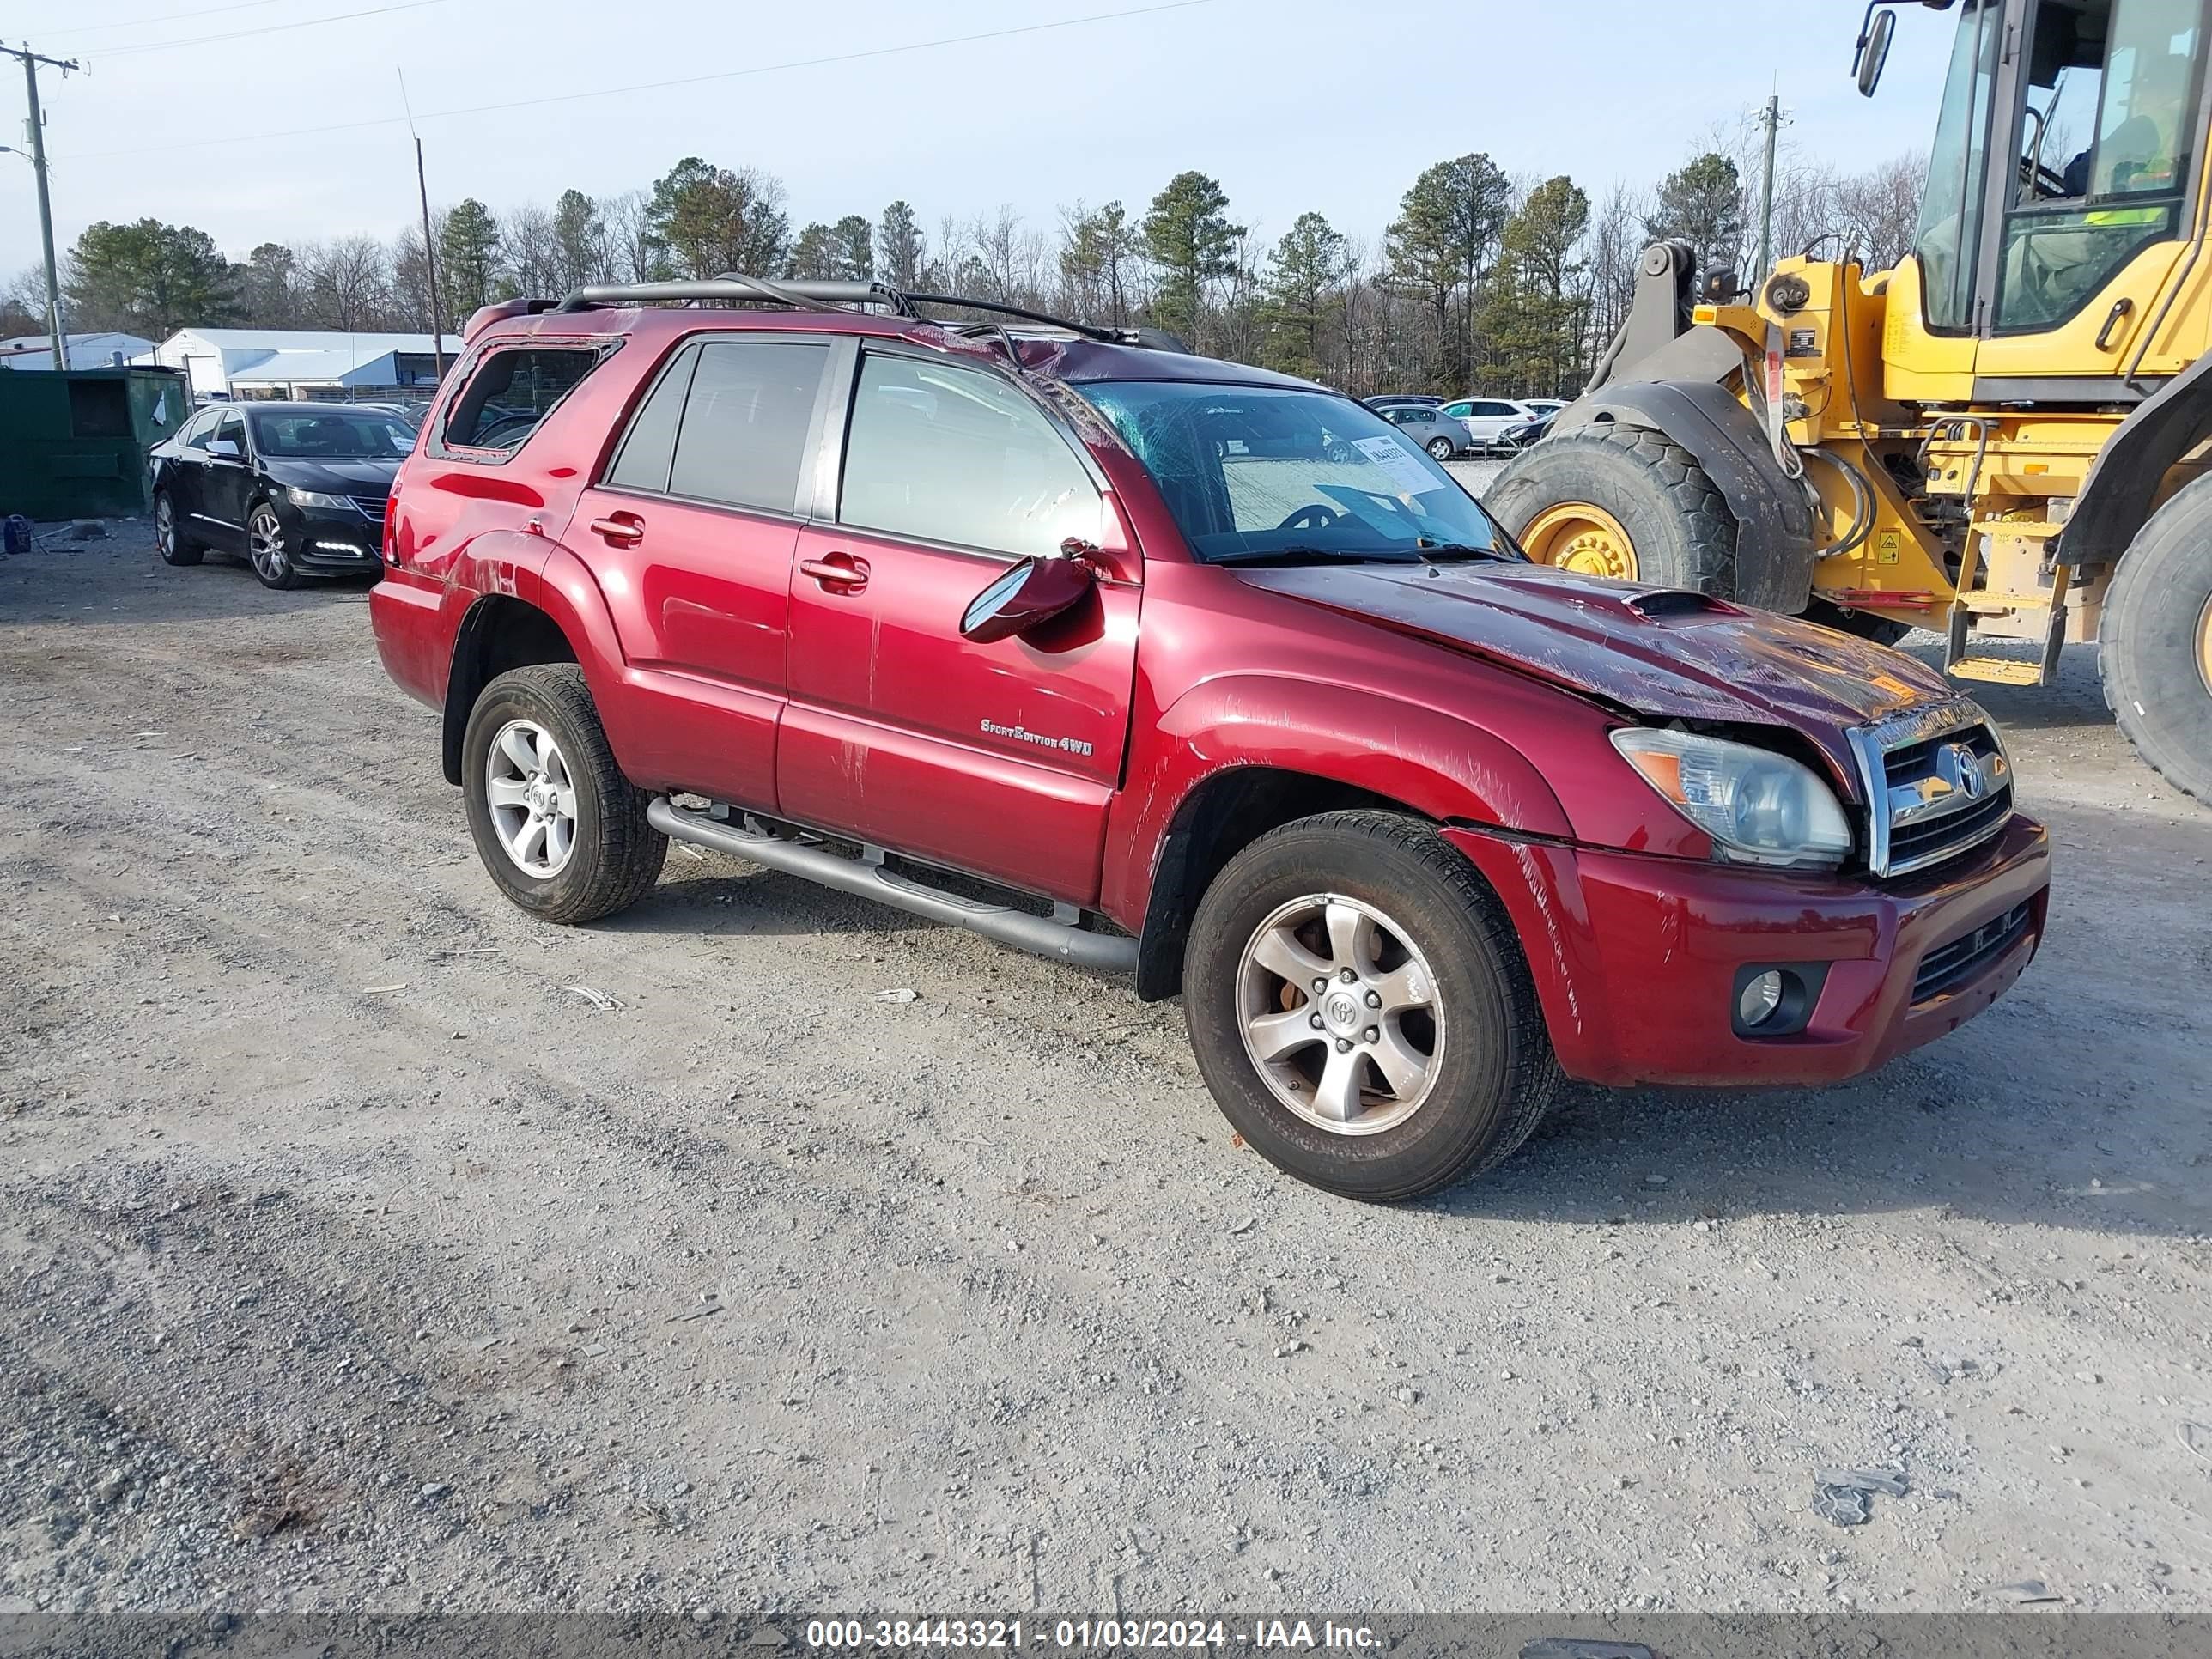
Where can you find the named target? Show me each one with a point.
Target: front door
(226, 480)
(690, 533)
(996, 758)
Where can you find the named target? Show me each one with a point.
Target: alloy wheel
(532, 799)
(1340, 1014)
(165, 527)
(265, 543)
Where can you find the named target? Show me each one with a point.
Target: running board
(1057, 935)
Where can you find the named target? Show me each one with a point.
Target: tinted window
(649, 449)
(336, 435)
(745, 423)
(232, 429)
(195, 435)
(946, 453)
(512, 392)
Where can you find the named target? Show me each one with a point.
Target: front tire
(1361, 1011)
(1623, 501)
(559, 827)
(2154, 640)
(170, 540)
(268, 547)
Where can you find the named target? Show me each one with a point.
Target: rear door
(690, 532)
(996, 758)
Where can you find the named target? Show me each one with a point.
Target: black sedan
(1524, 432)
(296, 487)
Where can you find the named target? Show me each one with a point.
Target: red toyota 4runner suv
(1180, 668)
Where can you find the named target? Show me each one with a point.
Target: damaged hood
(1662, 652)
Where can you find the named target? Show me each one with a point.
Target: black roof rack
(809, 294)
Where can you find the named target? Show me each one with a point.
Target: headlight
(1760, 807)
(309, 498)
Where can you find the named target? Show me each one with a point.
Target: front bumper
(324, 538)
(1635, 957)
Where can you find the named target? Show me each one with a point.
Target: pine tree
(1188, 236)
(1303, 288)
(468, 258)
(1702, 205)
(900, 251)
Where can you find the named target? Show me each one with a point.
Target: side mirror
(1873, 48)
(225, 449)
(1030, 595)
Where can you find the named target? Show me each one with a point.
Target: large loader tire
(1624, 501)
(2154, 640)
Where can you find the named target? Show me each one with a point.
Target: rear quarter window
(510, 393)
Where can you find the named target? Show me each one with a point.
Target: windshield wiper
(1310, 556)
(1446, 552)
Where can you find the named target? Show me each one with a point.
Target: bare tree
(1878, 211)
(348, 283)
(634, 255)
(530, 252)
(1614, 244)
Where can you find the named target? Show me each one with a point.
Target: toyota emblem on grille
(1962, 769)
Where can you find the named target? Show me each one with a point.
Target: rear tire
(1456, 1068)
(2155, 641)
(1646, 490)
(170, 540)
(1442, 448)
(609, 856)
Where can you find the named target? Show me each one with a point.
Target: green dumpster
(73, 445)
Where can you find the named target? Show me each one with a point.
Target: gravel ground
(365, 1245)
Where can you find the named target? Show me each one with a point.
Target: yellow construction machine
(2000, 438)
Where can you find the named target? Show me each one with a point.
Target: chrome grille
(1938, 783)
(372, 507)
(1951, 965)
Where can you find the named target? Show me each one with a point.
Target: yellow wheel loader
(2000, 438)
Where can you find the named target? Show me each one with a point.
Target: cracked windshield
(1256, 475)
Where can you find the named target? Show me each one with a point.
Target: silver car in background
(1441, 436)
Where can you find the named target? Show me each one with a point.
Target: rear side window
(944, 454)
(745, 423)
(648, 448)
(728, 422)
(511, 391)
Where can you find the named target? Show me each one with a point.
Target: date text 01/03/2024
(1089, 1635)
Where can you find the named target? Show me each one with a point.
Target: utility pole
(430, 268)
(1771, 118)
(430, 248)
(31, 60)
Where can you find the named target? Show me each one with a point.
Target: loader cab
(2065, 179)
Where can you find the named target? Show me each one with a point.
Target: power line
(654, 86)
(267, 28)
(171, 17)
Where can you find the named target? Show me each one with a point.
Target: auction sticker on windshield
(1404, 466)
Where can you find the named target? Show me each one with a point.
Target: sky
(1293, 105)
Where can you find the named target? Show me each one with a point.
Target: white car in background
(1486, 417)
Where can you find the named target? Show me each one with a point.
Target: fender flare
(548, 578)
(1774, 550)
(2124, 478)
(1439, 765)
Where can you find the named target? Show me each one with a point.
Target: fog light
(1760, 996)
